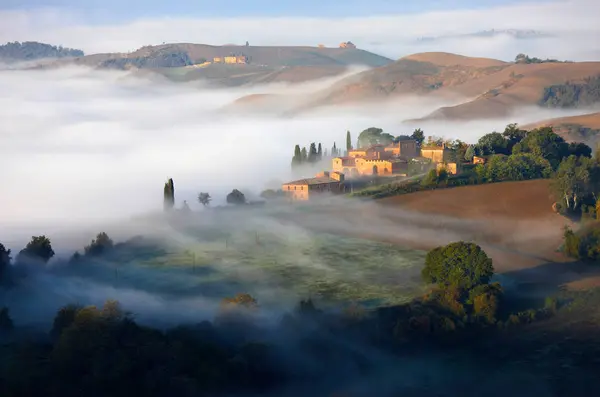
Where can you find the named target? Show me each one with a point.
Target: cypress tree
(319, 152)
(348, 141)
(297, 159)
(334, 151)
(312, 153)
(304, 155)
(169, 195)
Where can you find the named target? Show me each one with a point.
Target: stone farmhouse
(375, 160)
(323, 183)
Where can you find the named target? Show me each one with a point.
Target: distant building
(437, 154)
(305, 189)
(405, 148)
(347, 44)
(232, 59)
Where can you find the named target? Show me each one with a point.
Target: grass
(277, 267)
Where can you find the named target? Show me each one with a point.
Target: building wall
(407, 148)
(218, 59)
(478, 160)
(437, 155)
(296, 192)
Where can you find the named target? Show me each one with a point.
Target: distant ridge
(33, 50)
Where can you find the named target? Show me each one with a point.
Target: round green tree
(460, 264)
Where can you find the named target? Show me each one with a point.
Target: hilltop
(32, 50)
(186, 62)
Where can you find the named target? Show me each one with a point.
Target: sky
(387, 27)
(118, 9)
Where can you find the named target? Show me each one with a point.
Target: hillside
(492, 88)
(31, 50)
(583, 128)
(186, 62)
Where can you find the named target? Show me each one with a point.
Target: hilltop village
(402, 158)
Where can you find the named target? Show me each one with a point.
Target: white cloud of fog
(574, 21)
(81, 146)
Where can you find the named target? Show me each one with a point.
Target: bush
(463, 265)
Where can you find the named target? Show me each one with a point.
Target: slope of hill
(487, 87)
(582, 128)
(32, 50)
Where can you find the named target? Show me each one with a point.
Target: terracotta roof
(313, 181)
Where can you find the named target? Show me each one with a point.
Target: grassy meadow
(278, 266)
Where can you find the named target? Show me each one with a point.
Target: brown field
(512, 221)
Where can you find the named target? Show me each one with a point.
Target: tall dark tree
(304, 155)
(334, 150)
(39, 249)
(169, 195)
(419, 136)
(319, 152)
(297, 159)
(236, 197)
(312, 153)
(348, 141)
(4, 263)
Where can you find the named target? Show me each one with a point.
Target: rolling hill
(32, 50)
(483, 88)
(187, 62)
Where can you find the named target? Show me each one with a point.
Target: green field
(277, 267)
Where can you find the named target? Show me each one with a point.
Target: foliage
(469, 153)
(32, 50)
(523, 58)
(236, 197)
(493, 143)
(99, 246)
(545, 143)
(334, 151)
(158, 59)
(4, 263)
(516, 167)
(205, 199)
(576, 182)
(513, 134)
(583, 245)
(572, 94)
(435, 178)
(39, 248)
(348, 141)
(6, 323)
(374, 136)
(169, 195)
(463, 265)
(419, 136)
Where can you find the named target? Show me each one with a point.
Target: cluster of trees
(313, 155)
(518, 154)
(523, 58)
(572, 94)
(376, 136)
(158, 59)
(32, 50)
